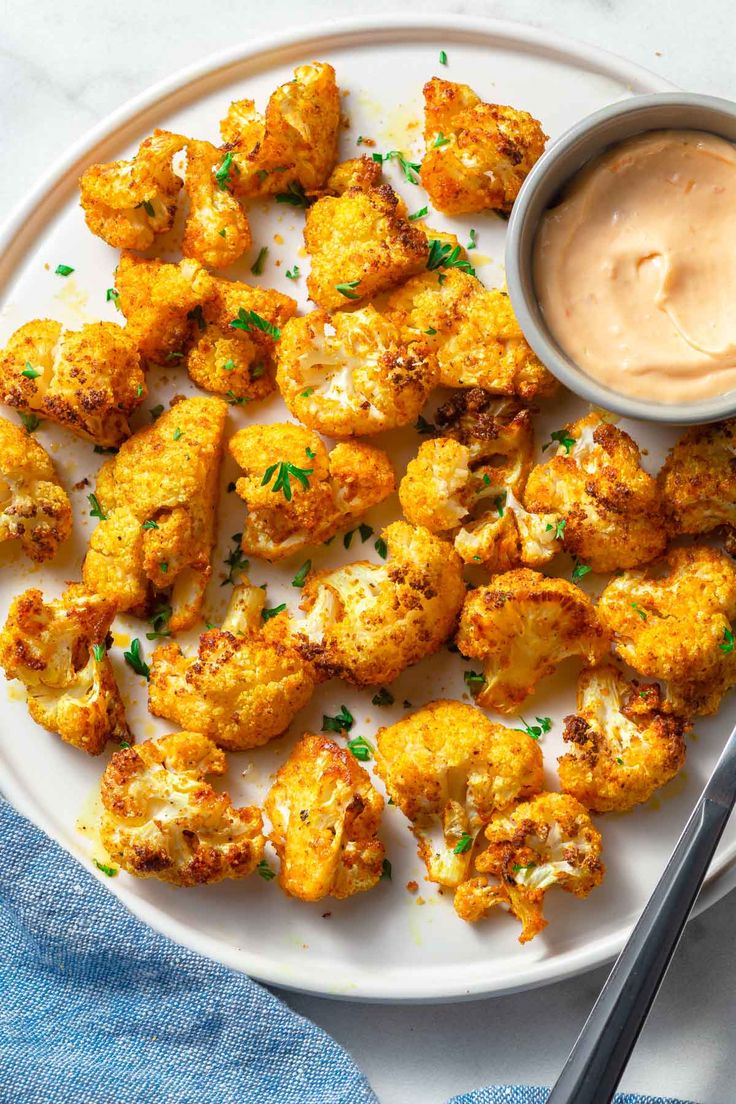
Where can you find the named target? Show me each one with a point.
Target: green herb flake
(563, 438)
(543, 725)
(294, 195)
(135, 659)
(164, 567)
(620, 762)
(472, 240)
(420, 214)
(236, 400)
(444, 255)
(347, 289)
(347, 538)
(150, 524)
(293, 273)
(474, 680)
(383, 697)
(177, 433)
(148, 208)
(30, 372)
(499, 502)
(727, 645)
(360, 748)
(431, 331)
(99, 651)
(160, 622)
(156, 412)
(580, 571)
(443, 57)
(30, 421)
(423, 427)
(410, 169)
(257, 266)
(519, 866)
(267, 614)
(284, 472)
(365, 531)
(235, 562)
(385, 871)
(301, 575)
(309, 391)
(463, 844)
(229, 366)
(381, 548)
(196, 314)
(559, 528)
(96, 510)
(222, 233)
(265, 871)
(440, 140)
(310, 453)
(111, 871)
(174, 356)
(63, 270)
(341, 722)
(642, 613)
(248, 320)
(112, 295)
(222, 173)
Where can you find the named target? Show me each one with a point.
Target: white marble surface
(64, 66)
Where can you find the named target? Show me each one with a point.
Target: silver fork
(603, 1048)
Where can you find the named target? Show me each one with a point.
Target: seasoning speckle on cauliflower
(478, 154)
(611, 506)
(299, 494)
(698, 480)
(57, 650)
(448, 768)
(216, 232)
(158, 498)
(673, 621)
(295, 145)
(477, 339)
(541, 843)
(352, 374)
(88, 381)
(162, 819)
(366, 623)
(241, 689)
(34, 507)
(325, 815)
(623, 746)
(521, 626)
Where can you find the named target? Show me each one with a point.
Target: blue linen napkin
(96, 1008)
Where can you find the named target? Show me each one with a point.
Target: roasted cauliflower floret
(158, 499)
(673, 621)
(216, 232)
(521, 626)
(234, 340)
(478, 154)
(698, 480)
(367, 622)
(129, 203)
(295, 145)
(162, 819)
(623, 746)
(352, 374)
(162, 304)
(325, 816)
(611, 507)
(360, 243)
(34, 507)
(449, 769)
(541, 843)
(88, 381)
(473, 333)
(57, 650)
(242, 688)
(299, 494)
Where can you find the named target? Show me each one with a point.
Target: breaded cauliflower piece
(295, 144)
(158, 497)
(521, 626)
(129, 203)
(297, 493)
(57, 649)
(547, 841)
(88, 381)
(242, 688)
(449, 769)
(478, 154)
(162, 304)
(361, 242)
(611, 507)
(34, 507)
(623, 745)
(352, 374)
(234, 340)
(216, 232)
(472, 331)
(698, 480)
(366, 623)
(673, 621)
(325, 815)
(359, 172)
(162, 819)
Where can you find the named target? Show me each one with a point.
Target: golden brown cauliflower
(158, 500)
(57, 649)
(547, 841)
(473, 333)
(366, 623)
(297, 493)
(242, 688)
(478, 154)
(89, 380)
(521, 626)
(623, 746)
(325, 816)
(674, 621)
(698, 480)
(611, 507)
(352, 374)
(129, 203)
(216, 231)
(294, 147)
(449, 769)
(34, 507)
(162, 819)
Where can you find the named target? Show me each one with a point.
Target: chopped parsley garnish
(148, 208)
(30, 372)
(543, 725)
(139, 390)
(424, 427)
(150, 524)
(559, 528)
(580, 571)
(463, 844)
(381, 548)
(222, 233)
(257, 370)
(174, 356)
(177, 433)
(229, 365)
(293, 273)
(96, 510)
(63, 270)
(222, 174)
(431, 331)
(124, 744)
(160, 622)
(365, 531)
(472, 242)
(347, 289)
(474, 680)
(235, 562)
(284, 471)
(341, 722)
(360, 748)
(135, 659)
(236, 400)
(196, 314)
(257, 266)
(620, 762)
(563, 438)
(309, 391)
(642, 613)
(164, 566)
(99, 651)
(443, 57)
(248, 319)
(301, 575)
(310, 452)
(419, 214)
(527, 866)
(444, 255)
(267, 614)
(499, 502)
(385, 870)
(440, 140)
(727, 645)
(294, 195)
(113, 296)
(265, 871)
(410, 169)
(156, 412)
(30, 421)
(383, 697)
(109, 870)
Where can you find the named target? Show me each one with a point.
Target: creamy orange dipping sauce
(635, 270)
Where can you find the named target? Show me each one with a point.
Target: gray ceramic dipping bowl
(541, 189)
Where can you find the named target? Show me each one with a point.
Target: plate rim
(25, 222)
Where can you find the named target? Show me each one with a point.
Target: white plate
(385, 945)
